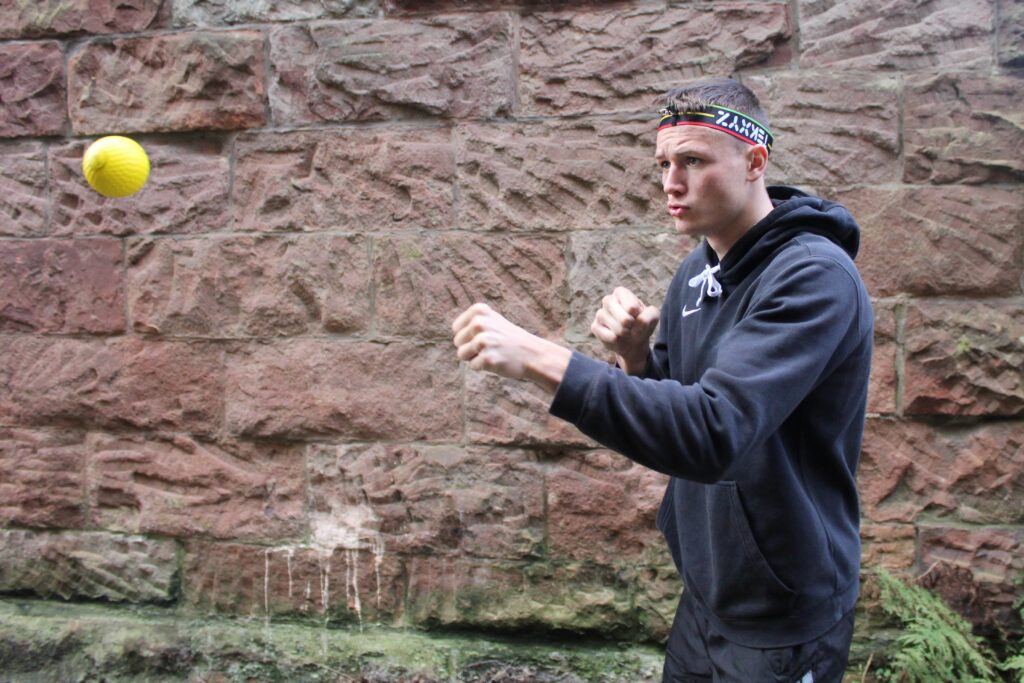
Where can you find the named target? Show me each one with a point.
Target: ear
(757, 162)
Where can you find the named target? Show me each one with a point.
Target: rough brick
(91, 565)
(361, 70)
(42, 478)
(185, 192)
(963, 129)
(249, 286)
(966, 474)
(882, 386)
(957, 241)
(182, 81)
(67, 17)
(344, 180)
(621, 59)
(32, 89)
(602, 261)
(423, 282)
(558, 175)
(889, 546)
(178, 486)
(1011, 33)
(360, 390)
(964, 358)
(117, 383)
(656, 589)
(404, 7)
(835, 129)
(875, 34)
(23, 196)
(226, 12)
(67, 286)
(444, 500)
(602, 507)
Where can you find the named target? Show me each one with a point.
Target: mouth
(677, 210)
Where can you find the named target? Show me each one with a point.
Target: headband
(719, 118)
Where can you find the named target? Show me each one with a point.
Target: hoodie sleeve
(765, 366)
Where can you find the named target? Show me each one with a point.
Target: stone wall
(235, 393)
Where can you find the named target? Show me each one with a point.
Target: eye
(692, 161)
(664, 164)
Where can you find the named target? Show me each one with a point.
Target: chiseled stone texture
(559, 175)
(964, 358)
(308, 388)
(934, 241)
(118, 383)
(889, 546)
(178, 486)
(353, 180)
(336, 580)
(91, 565)
(384, 69)
(602, 507)
(840, 129)
(422, 282)
(180, 81)
(1011, 33)
(42, 475)
(23, 197)
(622, 58)
(64, 286)
(405, 7)
(961, 128)
(896, 36)
(185, 192)
(427, 500)
(226, 12)
(24, 19)
(249, 286)
(971, 474)
(883, 384)
(32, 89)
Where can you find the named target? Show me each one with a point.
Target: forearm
(547, 364)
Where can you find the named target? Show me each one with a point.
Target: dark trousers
(696, 653)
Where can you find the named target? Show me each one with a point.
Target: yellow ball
(116, 166)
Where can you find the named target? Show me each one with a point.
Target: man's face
(704, 176)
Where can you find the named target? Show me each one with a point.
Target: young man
(752, 399)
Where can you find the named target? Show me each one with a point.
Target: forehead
(673, 139)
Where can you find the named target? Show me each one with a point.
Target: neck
(754, 212)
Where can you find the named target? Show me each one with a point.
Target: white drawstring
(709, 286)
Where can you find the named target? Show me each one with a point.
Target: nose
(673, 182)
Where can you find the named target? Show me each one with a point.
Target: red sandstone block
(23, 196)
(42, 477)
(1011, 33)
(32, 89)
(889, 546)
(64, 17)
(66, 286)
(182, 81)
(882, 386)
(219, 13)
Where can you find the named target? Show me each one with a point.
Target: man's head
(712, 161)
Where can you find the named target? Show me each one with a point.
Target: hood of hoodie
(795, 212)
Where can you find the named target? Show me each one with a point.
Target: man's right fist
(624, 325)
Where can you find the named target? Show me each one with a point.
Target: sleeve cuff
(570, 399)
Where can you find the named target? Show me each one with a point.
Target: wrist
(547, 364)
(636, 363)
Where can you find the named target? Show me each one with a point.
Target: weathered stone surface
(422, 283)
(63, 17)
(444, 500)
(1011, 33)
(226, 12)
(875, 34)
(558, 175)
(362, 70)
(963, 129)
(249, 286)
(185, 192)
(928, 241)
(92, 565)
(621, 59)
(658, 588)
(67, 286)
(835, 129)
(321, 579)
(42, 478)
(118, 383)
(181, 81)
(602, 507)
(406, 7)
(360, 390)
(883, 384)
(601, 261)
(23, 197)
(344, 180)
(968, 474)
(964, 359)
(889, 546)
(977, 571)
(32, 89)
(178, 486)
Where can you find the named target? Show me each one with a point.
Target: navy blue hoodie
(753, 400)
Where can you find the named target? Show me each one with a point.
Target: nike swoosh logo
(686, 312)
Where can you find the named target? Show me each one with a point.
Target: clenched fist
(625, 325)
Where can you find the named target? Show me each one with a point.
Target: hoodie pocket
(730, 572)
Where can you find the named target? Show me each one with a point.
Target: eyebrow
(687, 150)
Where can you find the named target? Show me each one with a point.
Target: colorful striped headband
(719, 118)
